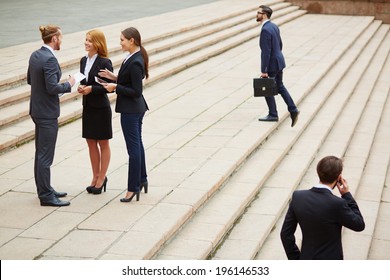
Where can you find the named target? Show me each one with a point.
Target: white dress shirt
(88, 65)
(321, 186)
(50, 49)
(130, 54)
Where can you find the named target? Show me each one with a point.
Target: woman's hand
(84, 90)
(110, 87)
(105, 73)
(80, 88)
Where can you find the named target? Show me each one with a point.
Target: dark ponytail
(132, 32)
(146, 61)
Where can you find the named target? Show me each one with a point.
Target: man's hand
(342, 185)
(264, 75)
(71, 80)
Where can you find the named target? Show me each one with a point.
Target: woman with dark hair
(97, 115)
(131, 104)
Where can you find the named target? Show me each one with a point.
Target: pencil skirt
(97, 123)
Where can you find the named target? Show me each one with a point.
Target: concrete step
(355, 245)
(272, 247)
(354, 163)
(372, 182)
(380, 243)
(214, 179)
(245, 184)
(168, 58)
(170, 41)
(173, 22)
(270, 203)
(201, 128)
(198, 147)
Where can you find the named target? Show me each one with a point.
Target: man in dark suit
(43, 75)
(321, 216)
(272, 65)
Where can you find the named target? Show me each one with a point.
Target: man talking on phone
(321, 216)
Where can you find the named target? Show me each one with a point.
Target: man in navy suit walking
(272, 65)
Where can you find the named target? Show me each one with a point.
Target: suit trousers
(46, 131)
(132, 131)
(272, 111)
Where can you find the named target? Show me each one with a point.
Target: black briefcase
(264, 87)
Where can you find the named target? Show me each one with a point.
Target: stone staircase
(170, 52)
(220, 181)
(339, 111)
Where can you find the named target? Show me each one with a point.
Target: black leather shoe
(60, 194)
(269, 118)
(55, 202)
(294, 117)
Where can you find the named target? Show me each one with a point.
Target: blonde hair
(48, 32)
(99, 42)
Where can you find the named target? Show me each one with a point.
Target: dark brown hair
(267, 10)
(132, 32)
(329, 169)
(48, 32)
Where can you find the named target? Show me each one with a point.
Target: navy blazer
(272, 59)
(321, 216)
(44, 74)
(98, 97)
(129, 86)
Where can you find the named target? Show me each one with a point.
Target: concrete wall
(378, 8)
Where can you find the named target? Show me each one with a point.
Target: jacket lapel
(124, 65)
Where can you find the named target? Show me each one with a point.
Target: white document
(79, 77)
(100, 81)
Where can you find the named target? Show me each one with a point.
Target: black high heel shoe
(131, 197)
(89, 189)
(144, 186)
(95, 190)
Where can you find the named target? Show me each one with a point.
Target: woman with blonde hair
(96, 117)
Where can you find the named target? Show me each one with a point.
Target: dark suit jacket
(272, 59)
(320, 215)
(98, 97)
(129, 86)
(44, 74)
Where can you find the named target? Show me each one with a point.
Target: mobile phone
(100, 81)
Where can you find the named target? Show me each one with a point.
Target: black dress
(97, 115)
